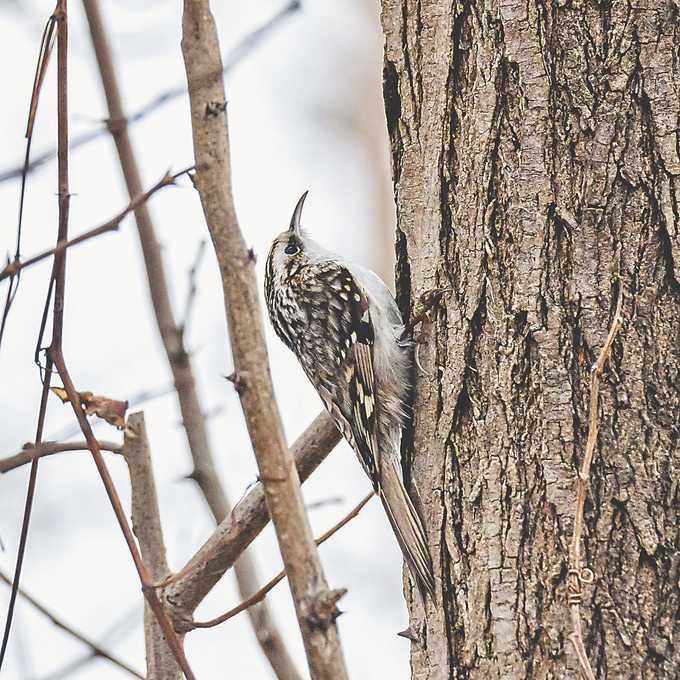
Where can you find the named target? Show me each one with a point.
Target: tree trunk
(535, 161)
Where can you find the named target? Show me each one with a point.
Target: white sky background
(304, 113)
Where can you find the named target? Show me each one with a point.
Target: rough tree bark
(535, 160)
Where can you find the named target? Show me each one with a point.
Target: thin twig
(191, 295)
(111, 635)
(23, 538)
(45, 52)
(46, 45)
(96, 649)
(14, 267)
(577, 574)
(31, 452)
(262, 593)
(241, 51)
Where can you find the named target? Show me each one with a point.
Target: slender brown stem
(30, 494)
(576, 574)
(147, 585)
(56, 352)
(14, 267)
(32, 452)
(58, 19)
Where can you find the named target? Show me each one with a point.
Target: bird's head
(288, 251)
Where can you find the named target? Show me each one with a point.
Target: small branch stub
(322, 611)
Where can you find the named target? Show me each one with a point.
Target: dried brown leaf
(110, 410)
(61, 393)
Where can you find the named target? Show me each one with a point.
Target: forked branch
(262, 593)
(187, 589)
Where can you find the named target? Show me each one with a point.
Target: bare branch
(576, 574)
(96, 649)
(262, 593)
(172, 336)
(187, 589)
(31, 452)
(146, 523)
(14, 267)
(315, 609)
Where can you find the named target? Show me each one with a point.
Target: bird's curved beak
(295, 220)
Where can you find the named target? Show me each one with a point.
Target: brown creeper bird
(344, 326)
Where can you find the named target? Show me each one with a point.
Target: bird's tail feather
(407, 528)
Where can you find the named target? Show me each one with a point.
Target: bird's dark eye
(292, 249)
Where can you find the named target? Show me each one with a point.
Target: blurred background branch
(97, 650)
(172, 336)
(241, 51)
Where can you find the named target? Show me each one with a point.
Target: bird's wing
(351, 396)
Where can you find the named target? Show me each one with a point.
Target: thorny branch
(577, 574)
